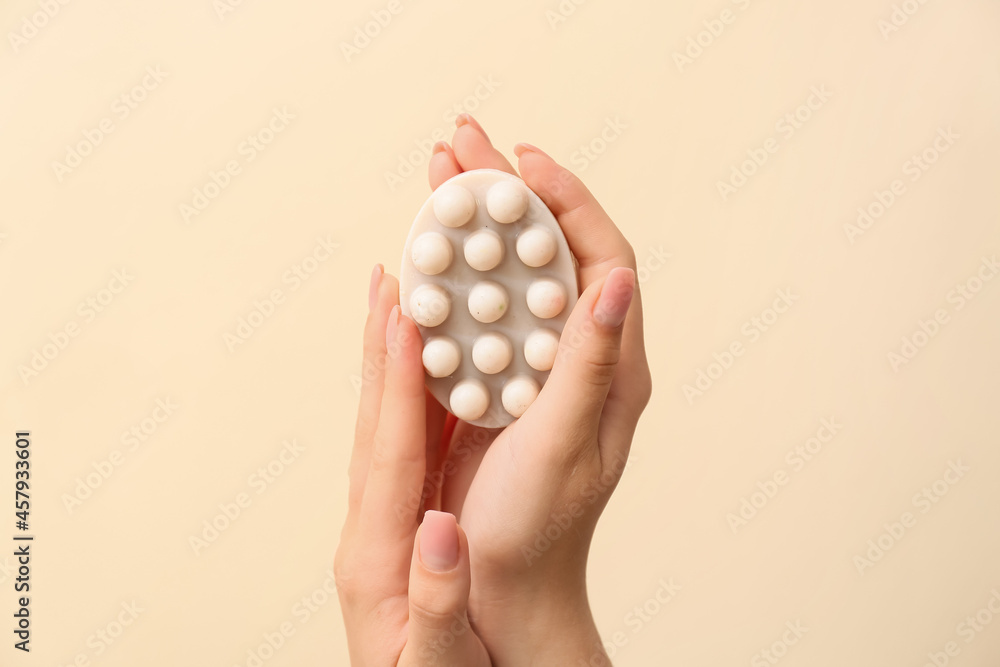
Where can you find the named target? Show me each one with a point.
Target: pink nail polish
(523, 147)
(466, 119)
(373, 286)
(616, 296)
(439, 541)
(391, 326)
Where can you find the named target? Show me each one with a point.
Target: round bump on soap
(488, 302)
(507, 201)
(469, 400)
(540, 349)
(454, 205)
(546, 298)
(441, 356)
(492, 352)
(518, 394)
(431, 253)
(430, 305)
(536, 246)
(483, 250)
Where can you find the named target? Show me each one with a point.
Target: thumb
(439, 631)
(588, 354)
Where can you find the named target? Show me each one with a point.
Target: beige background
(557, 84)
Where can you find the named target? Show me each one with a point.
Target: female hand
(529, 497)
(402, 575)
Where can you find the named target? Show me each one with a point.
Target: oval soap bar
(491, 310)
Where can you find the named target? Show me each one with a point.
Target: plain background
(662, 136)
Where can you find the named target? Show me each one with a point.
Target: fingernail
(439, 541)
(616, 296)
(390, 327)
(373, 286)
(439, 147)
(466, 119)
(523, 147)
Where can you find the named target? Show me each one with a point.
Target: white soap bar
(490, 281)
(546, 298)
(441, 356)
(536, 246)
(518, 394)
(507, 201)
(469, 400)
(429, 305)
(488, 301)
(492, 352)
(431, 253)
(453, 205)
(540, 349)
(483, 250)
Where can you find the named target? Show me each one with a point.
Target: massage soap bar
(490, 281)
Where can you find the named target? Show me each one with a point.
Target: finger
(594, 239)
(632, 385)
(436, 417)
(599, 246)
(473, 149)
(468, 445)
(443, 164)
(588, 355)
(399, 457)
(383, 294)
(439, 631)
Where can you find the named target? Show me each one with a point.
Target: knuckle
(345, 577)
(600, 366)
(433, 610)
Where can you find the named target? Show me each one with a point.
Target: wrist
(539, 623)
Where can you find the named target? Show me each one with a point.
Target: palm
(499, 488)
